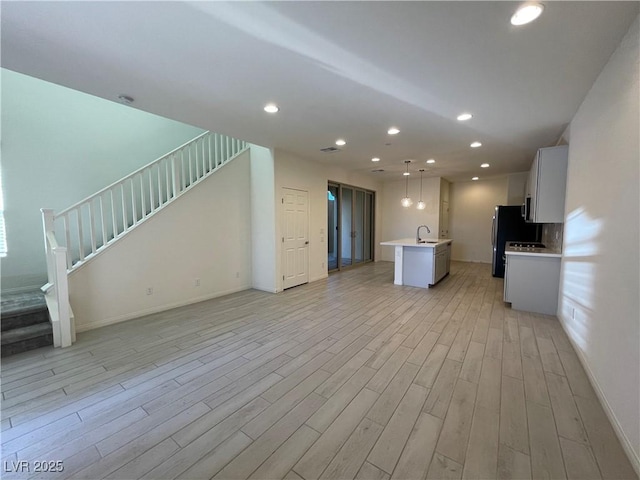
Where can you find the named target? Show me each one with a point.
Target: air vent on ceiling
(329, 149)
(377, 170)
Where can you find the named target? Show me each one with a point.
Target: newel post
(47, 226)
(67, 332)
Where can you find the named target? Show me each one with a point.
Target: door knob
(307, 242)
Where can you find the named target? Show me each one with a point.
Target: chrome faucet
(418, 239)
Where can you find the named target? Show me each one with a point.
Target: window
(3, 232)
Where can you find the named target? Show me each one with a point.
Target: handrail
(51, 238)
(132, 174)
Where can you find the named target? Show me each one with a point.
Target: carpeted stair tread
(24, 322)
(25, 333)
(22, 303)
(23, 309)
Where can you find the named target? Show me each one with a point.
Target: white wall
(601, 262)
(299, 173)
(59, 146)
(263, 219)
(400, 222)
(205, 234)
(472, 206)
(516, 183)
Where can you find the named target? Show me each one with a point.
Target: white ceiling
(337, 70)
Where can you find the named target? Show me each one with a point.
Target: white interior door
(295, 237)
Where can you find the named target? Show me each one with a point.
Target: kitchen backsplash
(552, 235)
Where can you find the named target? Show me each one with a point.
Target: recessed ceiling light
(475, 145)
(431, 160)
(526, 13)
(464, 116)
(271, 108)
(474, 178)
(485, 165)
(340, 142)
(393, 131)
(375, 159)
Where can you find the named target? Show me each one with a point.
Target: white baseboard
(632, 454)
(320, 277)
(265, 289)
(157, 309)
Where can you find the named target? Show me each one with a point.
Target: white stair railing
(85, 229)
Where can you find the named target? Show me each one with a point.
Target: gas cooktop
(527, 245)
(535, 247)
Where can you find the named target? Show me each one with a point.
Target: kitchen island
(420, 264)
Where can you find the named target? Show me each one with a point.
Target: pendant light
(421, 205)
(406, 201)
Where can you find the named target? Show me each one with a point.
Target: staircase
(77, 234)
(25, 322)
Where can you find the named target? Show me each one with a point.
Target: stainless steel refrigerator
(509, 226)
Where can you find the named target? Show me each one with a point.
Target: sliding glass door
(350, 226)
(333, 193)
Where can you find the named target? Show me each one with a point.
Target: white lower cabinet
(441, 267)
(422, 267)
(531, 283)
(448, 257)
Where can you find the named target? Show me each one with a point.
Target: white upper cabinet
(547, 185)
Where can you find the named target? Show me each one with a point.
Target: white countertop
(536, 252)
(411, 242)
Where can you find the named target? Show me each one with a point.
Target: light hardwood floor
(351, 377)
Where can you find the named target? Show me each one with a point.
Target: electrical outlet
(322, 264)
(196, 282)
(150, 291)
(237, 274)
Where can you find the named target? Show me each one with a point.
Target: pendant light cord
(406, 182)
